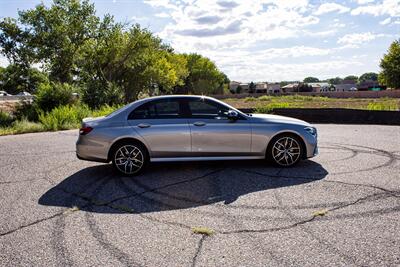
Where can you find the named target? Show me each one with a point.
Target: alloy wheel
(286, 151)
(129, 159)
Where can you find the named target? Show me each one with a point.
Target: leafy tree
(133, 61)
(335, 81)
(50, 35)
(16, 78)
(311, 80)
(368, 76)
(352, 78)
(203, 76)
(239, 89)
(52, 95)
(390, 65)
(252, 87)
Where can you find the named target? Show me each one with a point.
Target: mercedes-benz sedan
(190, 128)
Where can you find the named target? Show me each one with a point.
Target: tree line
(105, 61)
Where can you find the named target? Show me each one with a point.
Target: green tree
(239, 89)
(352, 78)
(390, 65)
(50, 35)
(368, 76)
(311, 80)
(335, 81)
(128, 63)
(15, 78)
(203, 76)
(252, 87)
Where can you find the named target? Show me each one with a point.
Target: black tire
(285, 150)
(129, 158)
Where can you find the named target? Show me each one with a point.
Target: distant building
(245, 87)
(233, 86)
(370, 85)
(274, 88)
(345, 87)
(291, 87)
(261, 87)
(320, 87)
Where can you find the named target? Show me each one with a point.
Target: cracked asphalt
(341, 208)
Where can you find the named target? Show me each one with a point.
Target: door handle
(199, 123)
(143, 125)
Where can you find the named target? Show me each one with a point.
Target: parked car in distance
(24, 94)
(190, 128)
(4, 93)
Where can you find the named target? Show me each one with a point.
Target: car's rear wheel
(285, 150)
(129, 158)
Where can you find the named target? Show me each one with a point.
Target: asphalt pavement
(341, 208)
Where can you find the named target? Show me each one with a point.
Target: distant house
(233, 85)
(320, 87)
(274, 88)
(291, 87)
(245, 87)
(370, 85)
(261, 87)
(346, 87)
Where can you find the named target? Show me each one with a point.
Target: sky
(263, 40)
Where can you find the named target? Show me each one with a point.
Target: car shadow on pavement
(174, 186)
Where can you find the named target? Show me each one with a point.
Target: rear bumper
(91, 158)
(90, 150)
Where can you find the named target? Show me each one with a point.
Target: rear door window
(160, 109)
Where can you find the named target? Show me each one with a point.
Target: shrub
(97, 93)
(5, 119)
(271, 106)
(22, 126)
(52, 95)
(265, 98)
(60, 118)
(26, 110)
(250, 99)
(387, 105)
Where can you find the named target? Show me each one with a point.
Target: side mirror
(233, 115)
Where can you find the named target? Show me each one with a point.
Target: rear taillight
(85, 130)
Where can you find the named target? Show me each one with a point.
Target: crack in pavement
(393, 192)
(198, 251)
(65, 212)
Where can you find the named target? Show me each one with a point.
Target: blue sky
(264, 40)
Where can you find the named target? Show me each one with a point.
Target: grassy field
(265, 104)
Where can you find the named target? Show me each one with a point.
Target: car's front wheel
(129, 158)
(285, 150)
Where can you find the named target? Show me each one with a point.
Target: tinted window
(162, 109)
(206, 109)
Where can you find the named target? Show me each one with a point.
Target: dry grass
(202, 231)
(320, 213)
(295, 101)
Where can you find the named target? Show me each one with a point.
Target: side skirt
(205, 158)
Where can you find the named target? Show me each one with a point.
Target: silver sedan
(190, 128)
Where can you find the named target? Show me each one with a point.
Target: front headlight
(311, 130)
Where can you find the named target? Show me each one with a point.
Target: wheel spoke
(129, 159)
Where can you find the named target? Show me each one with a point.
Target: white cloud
(363, 2)
(385, 21)
(331, 7)
(355, 39)
(386, 7)
(162, 15)
(277, 72)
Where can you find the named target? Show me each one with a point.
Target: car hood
(277, 119)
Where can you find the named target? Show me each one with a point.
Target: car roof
(177, 96)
